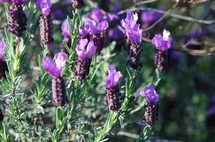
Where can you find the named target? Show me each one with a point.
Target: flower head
(44, 6)
(162, 42)
(85, 50)
(54, 68)
(6, 1)
(1, 49)
(95, 29)
(150, 94)
(113, 78)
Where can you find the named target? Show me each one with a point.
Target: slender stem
(25, 138)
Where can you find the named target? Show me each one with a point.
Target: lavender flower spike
(162, 42)
(3, 64)
(54, 68)
(85, 50)
(150, 94)
(113, 92)
(113, 78)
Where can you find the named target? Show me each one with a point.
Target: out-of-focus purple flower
(149, 17)
(6, 1)
(44, 6)
(54, 68)
(16, 2)
(95, 29)
(96, 15)
(1, 49)
(211, 110)
(150, 94)
(7, 101)
(85, 50)
(115, 33)
(113, 78)
(162, 42)
(135, 34)
(112, 17)
(130, 21)
(65, 29)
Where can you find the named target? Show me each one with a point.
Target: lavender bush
(93, 71)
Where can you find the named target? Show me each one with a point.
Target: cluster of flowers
(91, 41)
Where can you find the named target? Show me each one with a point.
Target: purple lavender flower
(162, 42)
(151, 108)
(113, 93)
(150, 94)
(95, 29)
(133, 39)
(113, 78)
(85, 50)
(54, 68)
(58, 83)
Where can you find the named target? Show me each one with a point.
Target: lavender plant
(84, 89)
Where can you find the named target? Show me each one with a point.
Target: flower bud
(77, 4)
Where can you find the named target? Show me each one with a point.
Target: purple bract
(54, 68)
(150, 94)
(95, 29)
(162, 42)
(130, 21)
(85, 50)
(65, 29)
(44, 6)
(1, 49)
(113, 78)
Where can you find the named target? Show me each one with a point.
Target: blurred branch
(194, 52)
(191, 1)
(208, 22)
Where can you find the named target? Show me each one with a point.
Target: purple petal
(83, 33)
(37, 2)
(85, 51)
(6, 1)
(60, 60)
(130, 20)
(50, 67)
(91, 50)
(134, 36)
(1, 49)
(45, 7)
(19, 2)
(103, 26)
(150, 94)
(162, 42)
(112, 17)
(7, 101)
(65, 29)
(113, 78)
(96, 15)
